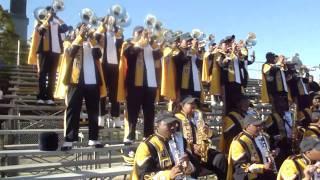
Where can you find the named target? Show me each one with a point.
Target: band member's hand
(196, 149)
(184, 158)
(267, 166)
(253, 56)
(175, 171)
(275, 152)
(83, 30)
(225, 60)
(308, 171)
(206, 129)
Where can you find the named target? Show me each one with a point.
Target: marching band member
(274, 83)
(299, 91)
(160, 156)
(232, 123)
(279, 128)
(169, 87)
(110, 40)
(302, 166)
(207, 62)
(245, 160)
(49, 50)
(83, 78)
(198, 135)
(246, 59)
(231, 72)
(187, 68)
(137, 81)
(314, 127)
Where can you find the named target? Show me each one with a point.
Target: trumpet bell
(58, 5)
(198, 34)
(124, 21)
(86, 15)
(117, 11)
(40, 13)
(150, 21)
(251, 40)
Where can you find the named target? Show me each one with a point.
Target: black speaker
(48, 141)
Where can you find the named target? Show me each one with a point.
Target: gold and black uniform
(274, 84)
(110, 44)
(138, 85)
(188, 75)
(153, 159)
(231, 127)
(293, 167)
(83, 78)
(312, 131)
(279, 137)
(216, 160)
(245, 160)
(49, 49)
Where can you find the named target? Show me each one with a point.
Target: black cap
(189, 100)
(316, 96)
(166, 117)
(270, 55)
(252, 119)
(186, 36)
(138, 29)
(228, 39)
(309, 143)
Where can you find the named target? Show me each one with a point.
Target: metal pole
(18, 54)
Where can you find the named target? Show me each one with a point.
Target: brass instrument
(268, 153)
(178, 150)
(40, 14)
(150, 22)
(202, 137)
(121, 17)
(58, 5)
(251, 40)
(89, 19)
(294, 132)
(316, 173)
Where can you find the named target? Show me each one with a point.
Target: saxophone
(266, 147)
(202, 137)
(294, 134)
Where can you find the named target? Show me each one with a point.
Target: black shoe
(99, 146)
(66, 148)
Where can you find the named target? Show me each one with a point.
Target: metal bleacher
(22, 120)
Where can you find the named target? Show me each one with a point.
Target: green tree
(8, 39)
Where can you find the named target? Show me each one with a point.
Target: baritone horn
(251, 40)
(89, 19)
(86, 15)
(40, 14)
(58, 5)
(150, 22)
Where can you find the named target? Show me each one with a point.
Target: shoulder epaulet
(149, 138)
(238, 136)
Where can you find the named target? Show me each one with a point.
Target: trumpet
(268, 153)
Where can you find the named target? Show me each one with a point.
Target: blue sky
(282, 26)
